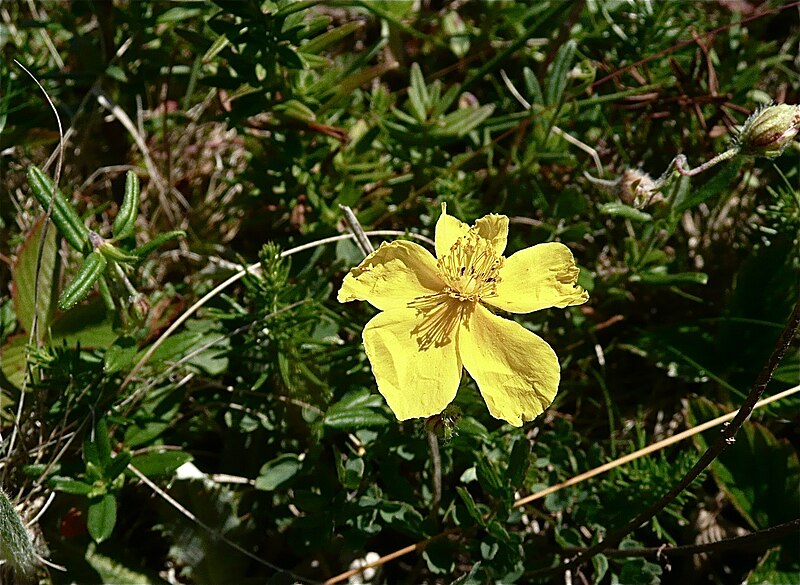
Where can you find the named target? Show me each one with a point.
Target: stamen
(471, 268)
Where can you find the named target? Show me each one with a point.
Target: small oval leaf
(102, 517)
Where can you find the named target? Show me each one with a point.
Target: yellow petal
(448, 230)
(536, 278)
(415, 382)
(392, 276)
(516, 371)
(494, 228)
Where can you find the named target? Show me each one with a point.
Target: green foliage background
(248, 123)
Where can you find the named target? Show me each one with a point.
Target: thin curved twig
(252, 269)
(758, 539)
(33, 333)
(725, 439)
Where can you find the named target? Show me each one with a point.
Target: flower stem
(680, 162)
(436, 463)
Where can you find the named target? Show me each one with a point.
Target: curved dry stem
(755, 540)
(725, 439)
(33, 333)
(252, 269)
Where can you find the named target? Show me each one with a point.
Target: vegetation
(182, 398)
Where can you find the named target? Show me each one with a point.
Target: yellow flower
(434, 318)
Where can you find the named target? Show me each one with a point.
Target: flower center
(470, 270)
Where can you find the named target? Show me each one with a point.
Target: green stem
(680, 162)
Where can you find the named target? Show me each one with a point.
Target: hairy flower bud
(768, 131)
(637, 188)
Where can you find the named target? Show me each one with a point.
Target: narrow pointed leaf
(418, 94)
(316, 44)
(157, 242)
(126, 218)
(64, 216)
(92, 269)
(557, 79)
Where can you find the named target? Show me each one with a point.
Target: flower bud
(444, 425)
(637, 188)
(768, 131)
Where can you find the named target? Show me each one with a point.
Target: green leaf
(87, 324)
(13, 361)
(462, 121)
(296, 110)
(296, 6)
(129, 210)
(626, 211)
(102, 442)
(161, 239)
(177, 14)
(352, 82)
(600, 565)
(278, 472)
(24, 288)
(533, 86)
(470, 578)
(91, 453)
(118, 465)
(640, 572)
(557, 78)
(120, 355)
(441, 105)
(359, 418)
(350, 472)
(334, 35)
(158, 463)
(218, 45)
(402, 516)
(77, 290)
(440, 557)
(659, 276)
(69, 485)
(469, 502)
(63, 214)
(488, 478)
(357, 410)
(418, 94)
(518, 462)
(111, 252)
(102, 517)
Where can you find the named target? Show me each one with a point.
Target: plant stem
(680, 162)
(436, 463)
(755, 540)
